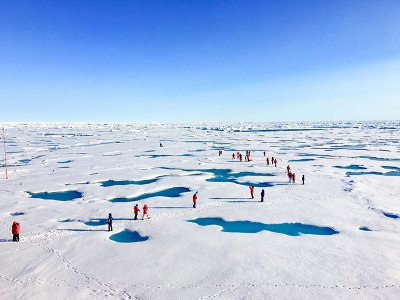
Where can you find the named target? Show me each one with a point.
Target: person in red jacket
(275, 162)
(252, 191)
(145, 211)
(288, 168)
(15, 228)
(136, 210)
(290, 175)
(194, 200)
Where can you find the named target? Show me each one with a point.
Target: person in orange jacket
(136, 210)
(15, 228)
(252, 191)
(145, 211)
(290, 175)
(194, 199)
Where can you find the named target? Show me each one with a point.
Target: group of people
(239, 156)
(292, 176)
(252, 193)
(15, 228)
(274, 161)
(136, 210)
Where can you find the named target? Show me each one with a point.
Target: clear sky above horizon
(203, 60)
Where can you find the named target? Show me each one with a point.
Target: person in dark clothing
(109, 221)
(262, 195)
(303, 179)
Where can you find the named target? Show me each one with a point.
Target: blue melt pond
(96, 222)
(379, 158)
(391, 168)
(386, 214)
(363, 228)
(58, 196)
(109, 183)
(391, 173)
(18, 213)
(64, 162)
(351, 167)
(301, 160)
(291, 229)
(128, 236)
(168, 155)
(226, 175)
(169, 193)
(390, 215)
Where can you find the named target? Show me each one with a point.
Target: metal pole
(5, 151)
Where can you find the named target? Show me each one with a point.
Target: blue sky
(203, 60)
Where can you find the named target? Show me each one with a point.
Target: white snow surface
(59, 257)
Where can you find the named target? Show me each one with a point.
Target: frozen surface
(336, 237)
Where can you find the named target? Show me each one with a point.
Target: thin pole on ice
(5, 151)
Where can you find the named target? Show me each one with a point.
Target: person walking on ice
(145, 211)
(267, 161)
(294, 177)
(136, 210)
(262, 195)
(109, 222)
(252, 191)
(288, 168)
(275, 162)
(194, 199)
(15, 228)
(303, 179)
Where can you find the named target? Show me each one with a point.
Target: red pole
(5, 152)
